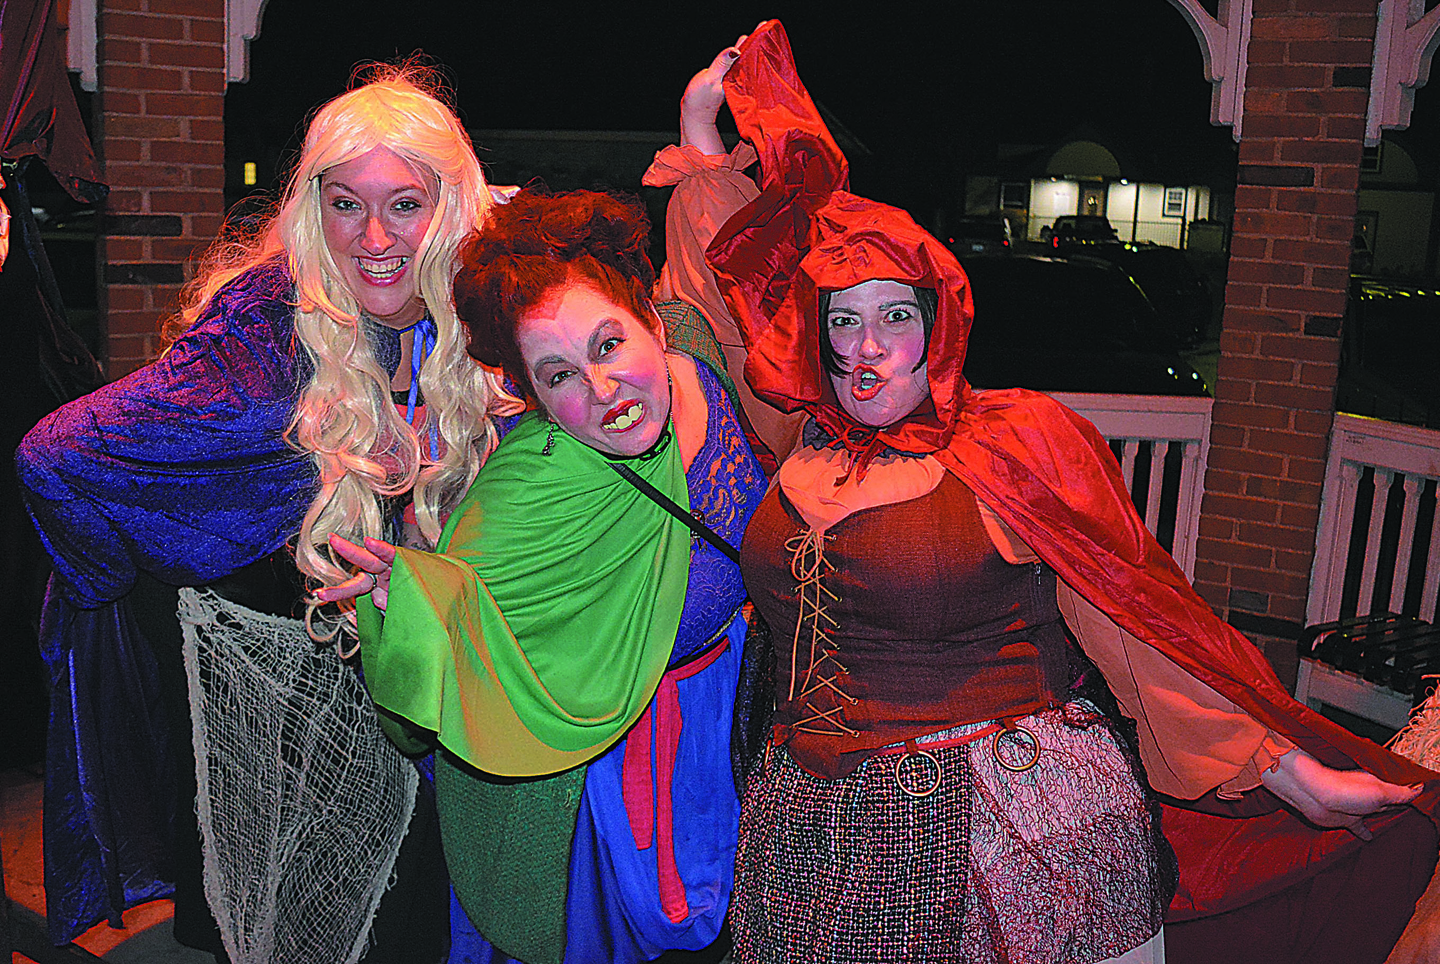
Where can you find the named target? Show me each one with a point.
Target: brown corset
(902, 621)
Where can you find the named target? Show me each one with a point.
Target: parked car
(1072, 231)
(980, 234)
(1179, 293)
(1071, 326)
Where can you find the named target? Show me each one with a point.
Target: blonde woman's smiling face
(597, 370)
(375, 210)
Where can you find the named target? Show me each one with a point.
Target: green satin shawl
(538, 632)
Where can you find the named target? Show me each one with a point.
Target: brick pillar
(159, 109)
(1304, 121)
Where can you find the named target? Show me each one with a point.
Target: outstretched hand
(1333, 798)
(702, 100)
(375, 559)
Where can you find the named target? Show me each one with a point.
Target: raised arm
(700, 104)
(710, 186)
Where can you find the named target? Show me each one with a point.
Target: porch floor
(145, 938)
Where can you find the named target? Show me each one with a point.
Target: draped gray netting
(302, 801)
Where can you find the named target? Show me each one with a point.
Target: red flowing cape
(1044, 470)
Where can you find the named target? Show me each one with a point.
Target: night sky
(927, 100)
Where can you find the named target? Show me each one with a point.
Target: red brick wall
(1303, 126)
(159, 133)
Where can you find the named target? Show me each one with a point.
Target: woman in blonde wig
(365, 448)
(316, 380)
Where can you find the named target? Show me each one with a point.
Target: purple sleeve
(181, 468)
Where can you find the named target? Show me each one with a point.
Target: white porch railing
(1378, 544)
(1161, 443)
(1377, 550)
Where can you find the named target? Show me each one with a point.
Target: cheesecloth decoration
(302, 801)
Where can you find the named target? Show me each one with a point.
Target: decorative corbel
(1405, 41)
(242, 25)
(80, 40)
(1224, 43)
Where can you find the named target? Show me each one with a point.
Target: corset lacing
(809, 565)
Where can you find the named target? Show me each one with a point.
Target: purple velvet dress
(180, 470)
(177, 474)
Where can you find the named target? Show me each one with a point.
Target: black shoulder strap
(668, 504)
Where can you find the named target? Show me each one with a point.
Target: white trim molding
(80, 40)
(242, 25)
(1405, 41)
(1224, 44)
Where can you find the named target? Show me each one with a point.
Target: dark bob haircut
(927, 299)
(541, 242)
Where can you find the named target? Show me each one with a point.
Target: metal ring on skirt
(1017, 749)
(917, 755)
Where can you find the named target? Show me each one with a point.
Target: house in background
(1158, 202)
(1397, 230)
(1395, 226)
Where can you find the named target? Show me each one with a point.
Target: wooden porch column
(159, 134)
(1304, 123)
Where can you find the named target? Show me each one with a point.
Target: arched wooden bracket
(1224, 42)
(242, 25)
(80, 39)
(1405, 41)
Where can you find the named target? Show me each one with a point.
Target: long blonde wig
(364, 450)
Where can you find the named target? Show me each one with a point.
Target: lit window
(248, 176)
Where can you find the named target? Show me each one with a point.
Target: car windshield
(979, 231)
(1068, 325)
(1058, 305)
(1092, 228)
(1162, 265)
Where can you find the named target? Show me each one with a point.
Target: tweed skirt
(962, 853)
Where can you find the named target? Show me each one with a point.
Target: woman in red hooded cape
(1222, 741)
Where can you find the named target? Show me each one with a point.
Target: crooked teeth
(626, 418)
(383, 269)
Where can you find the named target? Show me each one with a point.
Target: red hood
(805, 234)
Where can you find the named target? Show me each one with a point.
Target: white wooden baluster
(1158, 450)
(1325, 596)
(1187, 507)
(1128, 453)
(1407, 543)
(1429, 611)
(1366, 603)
